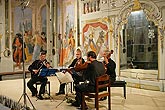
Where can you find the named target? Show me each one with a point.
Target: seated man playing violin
(76, 69)
(35, 68)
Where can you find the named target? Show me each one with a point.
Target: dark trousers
(62, 87)
(82, 88)
(112, 80)
(33, 80)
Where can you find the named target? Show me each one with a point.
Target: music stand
(44, 72)
(47, 72)
(64, 78)
(23, 5)
(66, 96)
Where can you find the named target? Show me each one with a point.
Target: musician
(93, 70)
(76, 74)
(48, 65)
(110, 65)
(35, 68)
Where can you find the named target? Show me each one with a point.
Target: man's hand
(105, 58)
(35, 71)
(88, 62)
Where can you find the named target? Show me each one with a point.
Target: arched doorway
(139, 42)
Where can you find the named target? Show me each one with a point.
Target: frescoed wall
(66, 31)
(0, 40)
(95, 37)
(43, 18)
(18, 20)
(22, 23)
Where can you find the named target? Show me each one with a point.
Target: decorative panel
(95, 36)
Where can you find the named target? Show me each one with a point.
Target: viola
(81, 66)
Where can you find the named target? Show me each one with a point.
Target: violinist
(35, 68)
(93, 70)
(76, 73)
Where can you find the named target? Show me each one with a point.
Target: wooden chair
(101, 82)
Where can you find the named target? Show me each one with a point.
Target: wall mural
(18, 20)
(0, 41)
(17, 40)
(95, 37)
(68, 36)
(43, 18)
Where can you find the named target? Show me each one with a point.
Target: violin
(79, 62)
(81, 66)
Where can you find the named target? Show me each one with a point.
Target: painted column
(162, 57)
(6, 63)
(55, 25)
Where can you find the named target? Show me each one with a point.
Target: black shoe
(61, 92)
(75, 104)
(86, 108)
(34, 94)
(40, 97)
(69, 100)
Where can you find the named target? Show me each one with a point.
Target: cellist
(110, 65)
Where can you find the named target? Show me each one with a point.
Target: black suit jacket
(75, 61)
(94, 69)
(37, 64)
(111, 66)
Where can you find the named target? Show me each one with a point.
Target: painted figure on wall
(25, 25)
(29, 45)
(95, 38)
(38, 43)
(67, 48)
(63, 52)
(100, 43)
(68, 38)
(91, 42)
(44, 45)
(71, 45)
(18, 50)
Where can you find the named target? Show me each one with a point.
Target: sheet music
(47, 72)
(64, 77)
